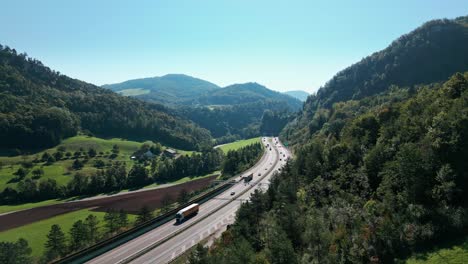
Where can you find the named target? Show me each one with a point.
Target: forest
(428, 54)
(384, 177)
(39, 107)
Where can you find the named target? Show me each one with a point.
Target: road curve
(166, 242)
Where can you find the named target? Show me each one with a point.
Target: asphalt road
(166, 242)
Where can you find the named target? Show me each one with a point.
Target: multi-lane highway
(169, 240)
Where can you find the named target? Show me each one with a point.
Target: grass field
(239, 144)
(134, 92)
(61, 170)
(36, 233)
(454, 254)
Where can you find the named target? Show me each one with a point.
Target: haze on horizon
(293, 45)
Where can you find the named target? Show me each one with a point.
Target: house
(171, 153)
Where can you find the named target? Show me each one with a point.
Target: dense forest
(430, 53)
(244, 120)
(385, 176)
(39, 107)
(237, 161)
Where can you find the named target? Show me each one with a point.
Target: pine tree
(144, 215)
(92, 229)
(56, 244)
(78, 235)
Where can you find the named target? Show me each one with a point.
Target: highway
(169, 240)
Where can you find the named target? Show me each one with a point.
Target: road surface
(169, 240)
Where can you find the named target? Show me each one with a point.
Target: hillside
(167, 89)
(39, 107)
(383, 178)
(298, 94)
(246, 93)
(430, 53)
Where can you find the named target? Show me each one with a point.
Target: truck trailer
(187, 212)
(248, 178)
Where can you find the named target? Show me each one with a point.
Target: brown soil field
(130, 202)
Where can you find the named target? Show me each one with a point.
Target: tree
(198, 255)
(56, 244)
(92, 152)
(58, 155)
(165, 202)
(112, 221)
(138, 176)
(122, 220)
(37, 173)
(45, 156)
(77, 164)
(183, 197)
(78, 235)
(21, 173)
(15, 253)
(92, 228)
(144, 215)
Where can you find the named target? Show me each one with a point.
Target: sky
(285, 45)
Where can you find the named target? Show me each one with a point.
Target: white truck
(187, 212)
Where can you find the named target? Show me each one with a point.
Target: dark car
(232, 193)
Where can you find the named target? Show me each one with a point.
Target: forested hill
(247, 93)
(39, 107)
(167, 89)
(429, 54)
(385, 177)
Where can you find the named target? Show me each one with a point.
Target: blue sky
(285, 45)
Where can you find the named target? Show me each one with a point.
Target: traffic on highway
(198, 222)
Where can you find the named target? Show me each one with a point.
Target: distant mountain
(298, 94)
(246, 93)
(39, 107)
(167, 89)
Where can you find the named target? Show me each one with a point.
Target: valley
(210, 133)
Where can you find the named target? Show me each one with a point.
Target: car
(232, 193)
(259, 174)
(266, 168)
(280, 159)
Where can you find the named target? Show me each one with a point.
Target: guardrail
(119, 239)
(220, 207)
(105, 245)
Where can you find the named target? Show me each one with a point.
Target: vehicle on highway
(187, 212)
(232, 193)
(248, 178)
(259, 174)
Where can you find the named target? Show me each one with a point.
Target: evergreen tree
(78, 235)
(92, 228)
(144, 215)
(56, 243)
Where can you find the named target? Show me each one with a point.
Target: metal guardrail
(105, 245)
(119, 239)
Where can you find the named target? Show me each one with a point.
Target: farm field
(36, 233)
(129, 202)
(239, 144)
(61, 170)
